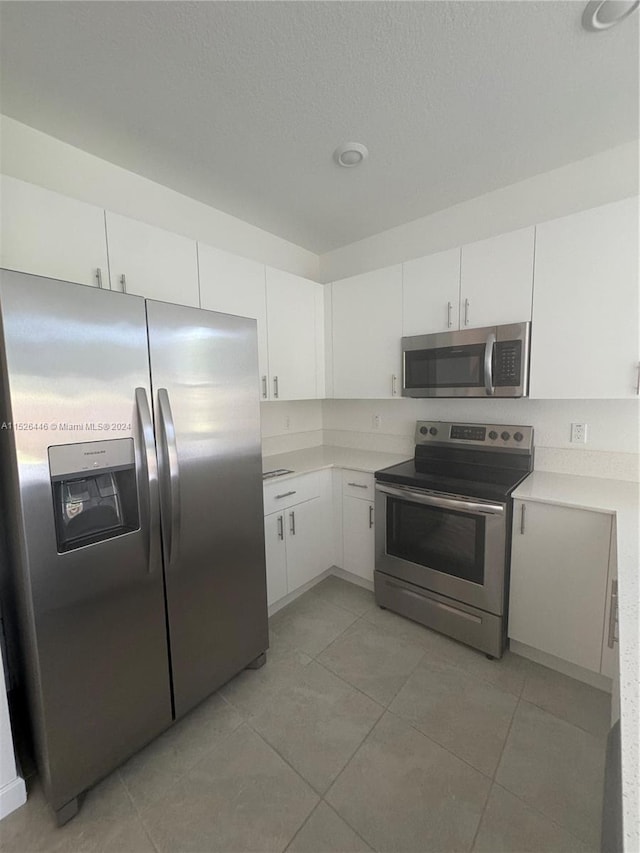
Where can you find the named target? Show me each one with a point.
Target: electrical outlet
(376, 421)
(579, 433)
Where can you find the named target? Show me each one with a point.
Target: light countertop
(622, 500)
(316, 458)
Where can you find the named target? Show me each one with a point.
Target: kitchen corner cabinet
(45, 233)
(298, 542)
(147, 261)
(358, 535)
(431, 294)
(496, 280)
(236, 285)
(367, 327)
(585, 338)
(293, 343)
(559, 572)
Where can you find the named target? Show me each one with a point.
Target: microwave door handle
(170, 486)
(488, 364)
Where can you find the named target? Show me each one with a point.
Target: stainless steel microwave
(488, 362)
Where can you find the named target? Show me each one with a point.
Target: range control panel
(488, 436)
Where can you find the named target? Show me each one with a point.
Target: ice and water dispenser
(94, 491)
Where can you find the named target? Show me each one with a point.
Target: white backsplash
(612, 449)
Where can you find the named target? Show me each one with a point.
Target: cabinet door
(47, 234)
(584, 334)
(496, 280)
(430, 293)
(236, 285)
(155, 263)
(291, 323)
(358, 537)
(306, 541)
(276, 555)
(559, 581)
(367, 327)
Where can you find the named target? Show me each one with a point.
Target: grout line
(302, 825)
(344, 820)
(504, 745)
(481, 818)
(275, 749)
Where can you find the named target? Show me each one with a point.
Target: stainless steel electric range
(443, 529)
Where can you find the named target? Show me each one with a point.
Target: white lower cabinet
(358, 545)
(298, 540)
(559, 582)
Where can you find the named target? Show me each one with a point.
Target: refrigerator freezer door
(92, 617)
(207, 415)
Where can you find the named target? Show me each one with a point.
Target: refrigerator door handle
(170, 487)
(149, 474)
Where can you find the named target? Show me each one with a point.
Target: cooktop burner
(474, 460)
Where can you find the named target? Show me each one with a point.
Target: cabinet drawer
(284, 493)
(357, 484)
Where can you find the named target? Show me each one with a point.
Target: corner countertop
(324, 456)
(622, 500)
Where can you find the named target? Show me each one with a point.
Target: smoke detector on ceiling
(351, 154)
(604, 14)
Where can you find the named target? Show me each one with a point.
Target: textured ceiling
(241, 104)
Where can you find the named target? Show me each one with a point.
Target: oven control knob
(505, 436)
(518, 436)
(423, 430)
(493, 435)
(433, 431)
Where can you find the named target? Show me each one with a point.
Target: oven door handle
(477, 507)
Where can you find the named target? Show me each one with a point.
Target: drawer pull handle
(285, 495)
(370, 517)
(358, 485)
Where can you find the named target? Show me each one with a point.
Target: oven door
(452, 545)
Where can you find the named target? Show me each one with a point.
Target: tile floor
(364, 731)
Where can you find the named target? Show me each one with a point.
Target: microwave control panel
(507, 366)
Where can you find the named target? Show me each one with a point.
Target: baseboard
(287, 599)
(595, 679)
(12, 796)
(349, 576)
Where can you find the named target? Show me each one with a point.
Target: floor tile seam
(326, 600)
(458, 666)
(504, 743)
(139, 815)
(482, 814)
(352, 828)
(542, 814)
(602, 738)
(404, 683)
(352, 686)
(275, 749)
(302, 825)
(336, 638)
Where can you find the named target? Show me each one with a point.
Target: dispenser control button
(505, 436)
(493, 435)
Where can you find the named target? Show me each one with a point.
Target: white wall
(291, 425)
(40, 159)
(605, 177)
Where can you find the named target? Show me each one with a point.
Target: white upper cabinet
(584, 334)
(430, 293)
(293, 338)
(367, 327)
(48, 234)
(147, 261)
(496, 280)
(236, 285)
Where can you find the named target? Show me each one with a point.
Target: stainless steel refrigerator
(132, 487)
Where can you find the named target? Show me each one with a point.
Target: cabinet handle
(370, 516)
(285, 495)
(292, 516)
(394, 381)
(264, 387)
(123, 282)
(522, 512)
(613, 615)
(275, 386)
(280, 527)
(449, 310)
(358, 485)
(466, 312)
(99, 277)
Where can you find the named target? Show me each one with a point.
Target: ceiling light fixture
(351, 154)
(604, 14)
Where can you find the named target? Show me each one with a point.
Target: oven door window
(447, 367)
(449, 542)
